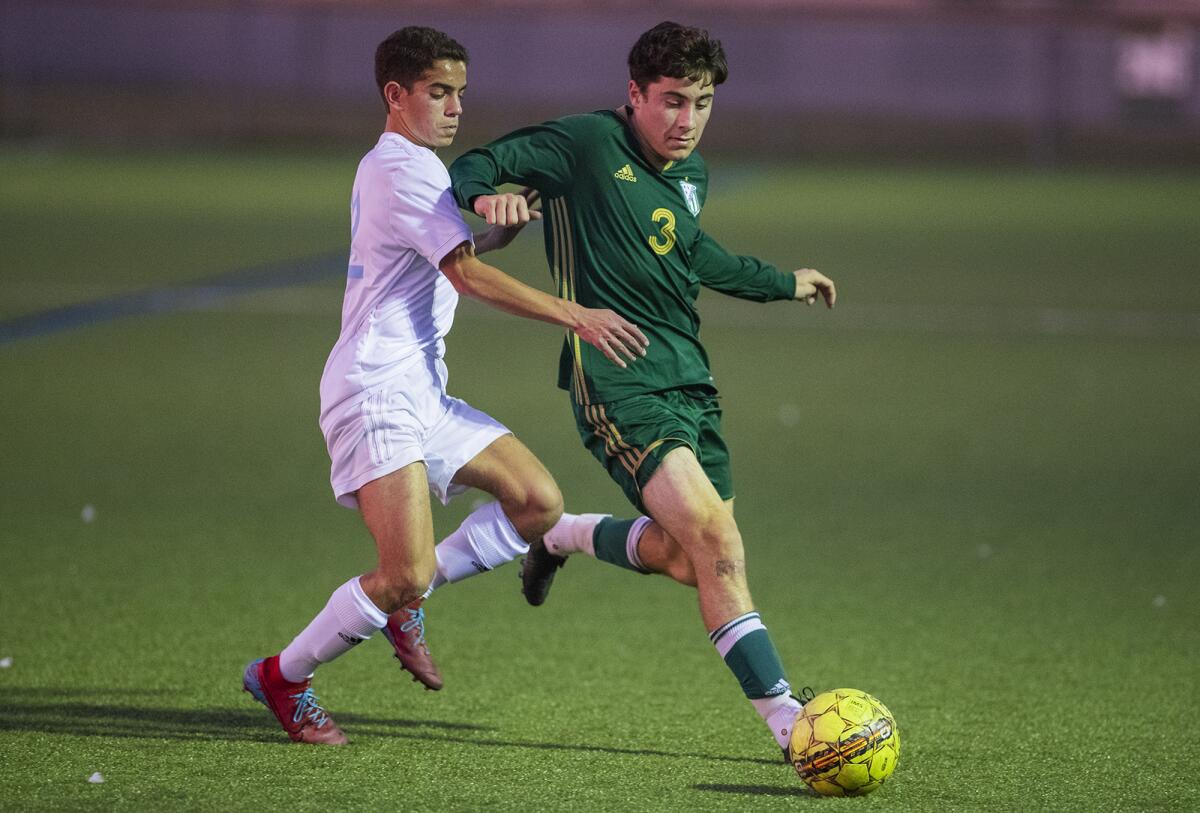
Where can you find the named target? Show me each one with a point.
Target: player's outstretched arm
(507, 214)
(604, 329)
(809, 283)
(737, 275)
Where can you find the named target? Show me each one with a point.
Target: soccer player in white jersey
(393, 432)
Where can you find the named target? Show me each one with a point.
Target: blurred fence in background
(1042, 80)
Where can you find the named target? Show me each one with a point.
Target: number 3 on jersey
(665, 219)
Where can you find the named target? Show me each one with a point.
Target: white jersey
(398, 306)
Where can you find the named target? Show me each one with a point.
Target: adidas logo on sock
(625, 173)
(353, 640)
(781, 687)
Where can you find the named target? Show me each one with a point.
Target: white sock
(573, 534)
(485, 540)
(348, 619)
(779, 713)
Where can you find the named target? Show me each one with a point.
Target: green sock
(748, 652)
(615, 542)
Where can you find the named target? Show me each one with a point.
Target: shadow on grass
(801, 791)
(28, 709)
(48, 711)
(590, 749)
(56, 691)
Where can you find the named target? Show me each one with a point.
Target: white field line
(719, 311)
(966, 320)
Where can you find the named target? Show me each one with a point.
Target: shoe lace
(308, 706)
(804, 695)
(416, 621)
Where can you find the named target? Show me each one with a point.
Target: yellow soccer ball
(844, 743)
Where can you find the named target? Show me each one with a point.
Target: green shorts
(631, 436)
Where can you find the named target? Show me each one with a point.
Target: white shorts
(409, 419)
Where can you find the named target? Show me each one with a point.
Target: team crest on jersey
(690, 197)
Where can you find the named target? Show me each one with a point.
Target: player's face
(670, 116)
(428, 114)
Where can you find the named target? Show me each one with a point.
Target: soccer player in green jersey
(622, 193)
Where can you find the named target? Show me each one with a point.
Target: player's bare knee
(717, 537)
(398, 587)
(546, 505)
(536, 509)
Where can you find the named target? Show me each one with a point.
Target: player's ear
(635, 94)
(395, 94)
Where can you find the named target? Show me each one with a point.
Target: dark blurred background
(1041, 81)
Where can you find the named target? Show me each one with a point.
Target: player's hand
(809, 283)
(499, 236)
(507, 209)
(611, 334)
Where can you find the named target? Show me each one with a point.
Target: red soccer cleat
(293, 704)
(406, 630)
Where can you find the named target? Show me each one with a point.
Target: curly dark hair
(677, 51)
(406, 54)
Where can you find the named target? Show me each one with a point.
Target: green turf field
(970, 490)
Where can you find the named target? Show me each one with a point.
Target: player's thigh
(632, 436)
(376, 435)
(396, 510)
(509, 471)
(460, 435)
(682, 499)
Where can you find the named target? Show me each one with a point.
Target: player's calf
(659, 552)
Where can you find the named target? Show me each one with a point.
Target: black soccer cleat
(537, 572)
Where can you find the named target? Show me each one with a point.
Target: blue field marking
(192, 295)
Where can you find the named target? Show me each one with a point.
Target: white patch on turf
(5, 663)
(1160, 601)
(88, 513)
(97, 778)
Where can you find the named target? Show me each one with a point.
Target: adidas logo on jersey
(625, 173)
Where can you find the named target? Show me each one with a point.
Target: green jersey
(623, 235)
